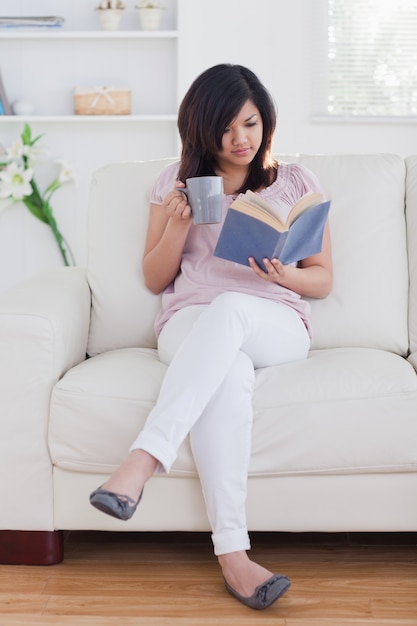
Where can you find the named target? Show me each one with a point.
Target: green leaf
(53, 187)
(35, 210)
(26, 135)
(36, 139)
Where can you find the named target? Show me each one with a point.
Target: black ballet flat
(114, 504)
(264, 595)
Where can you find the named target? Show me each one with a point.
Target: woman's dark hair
(212, 102)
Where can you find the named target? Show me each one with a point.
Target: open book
(252, 228)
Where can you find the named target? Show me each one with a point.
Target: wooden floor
(174, 580)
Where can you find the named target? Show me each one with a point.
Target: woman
(219, 321)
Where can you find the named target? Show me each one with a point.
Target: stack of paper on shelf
(51, 21)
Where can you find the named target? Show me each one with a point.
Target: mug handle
(185, 191)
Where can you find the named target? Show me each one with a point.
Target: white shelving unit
(61, 33)
(90, 119)
(44, 67)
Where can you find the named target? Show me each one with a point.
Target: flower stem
(43, 211)
(62, 244)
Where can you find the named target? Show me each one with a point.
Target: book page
(258, 213)
(254, 205)
(308, 200)
(254, 199)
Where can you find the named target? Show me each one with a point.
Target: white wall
(272, 37)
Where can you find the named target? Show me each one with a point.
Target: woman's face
(242, 138)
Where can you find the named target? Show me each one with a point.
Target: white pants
(207, 392)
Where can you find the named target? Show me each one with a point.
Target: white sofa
(335, 436)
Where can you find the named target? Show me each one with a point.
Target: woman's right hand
(176, 204)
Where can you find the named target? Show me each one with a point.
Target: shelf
(87, 34)
(86, 118)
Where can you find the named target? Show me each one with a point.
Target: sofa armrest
(44, 326)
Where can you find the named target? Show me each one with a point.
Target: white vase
(109, 18)
(149, 19)
(23, 107)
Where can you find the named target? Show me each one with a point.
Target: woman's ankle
(130, 477)
(241, 573)
(232, 559)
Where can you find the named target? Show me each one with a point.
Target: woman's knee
(241, 376)
(230, 300)
(231, 305)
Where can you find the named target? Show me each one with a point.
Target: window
(366, 59)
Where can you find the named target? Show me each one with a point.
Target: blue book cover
(250, 232)
(4, 104)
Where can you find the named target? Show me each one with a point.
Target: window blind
(365, 58)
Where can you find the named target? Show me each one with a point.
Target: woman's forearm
(311, 282)
(161, 264)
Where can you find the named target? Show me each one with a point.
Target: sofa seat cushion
(341, 411)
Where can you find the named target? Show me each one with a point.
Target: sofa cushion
(369, 303)
(340, 411)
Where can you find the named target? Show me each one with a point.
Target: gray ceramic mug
(205, 197)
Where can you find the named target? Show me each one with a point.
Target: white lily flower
(34, 153)
(66, 173)
(16, 150)
(15, 182)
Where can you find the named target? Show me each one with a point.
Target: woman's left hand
(276, 272)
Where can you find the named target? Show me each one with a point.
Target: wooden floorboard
(172, 579)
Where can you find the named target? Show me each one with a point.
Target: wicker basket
(102, 101)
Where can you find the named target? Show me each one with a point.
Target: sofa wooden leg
(31, 547)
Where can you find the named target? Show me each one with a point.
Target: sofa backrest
(368, 306)
(411, 213)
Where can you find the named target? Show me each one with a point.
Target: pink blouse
(202, 276)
